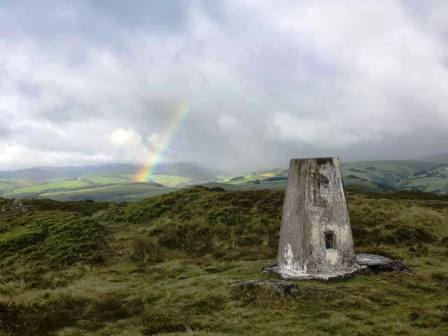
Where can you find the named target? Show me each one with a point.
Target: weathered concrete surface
(315, 237)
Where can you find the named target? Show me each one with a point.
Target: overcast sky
(85, 82)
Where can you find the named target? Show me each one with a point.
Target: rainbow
(146, 172)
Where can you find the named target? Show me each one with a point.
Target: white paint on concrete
(332, 256)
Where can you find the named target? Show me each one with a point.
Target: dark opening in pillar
(330, 240)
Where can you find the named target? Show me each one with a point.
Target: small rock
(18, 205)
(379, 263)
(393, 266)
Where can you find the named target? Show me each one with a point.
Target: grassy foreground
(167, 266)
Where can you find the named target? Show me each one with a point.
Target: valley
(115, 183)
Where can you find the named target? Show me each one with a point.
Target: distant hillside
(372, 176)
(100, 182)
(439, 158)
(115, 182)
(381, 175)
(433, 180)
(46, 174)
(196, 173)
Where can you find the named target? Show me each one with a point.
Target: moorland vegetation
(169, 265)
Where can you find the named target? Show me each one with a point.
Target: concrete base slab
(294, 275)
(364, 263)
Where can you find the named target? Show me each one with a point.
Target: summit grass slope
(168, 265)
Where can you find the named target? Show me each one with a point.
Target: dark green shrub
(441, 278)
(51, 313)
(207, 305)
(147, 250)
(40, 318)
(202, 221)
(76, 240)
(168, 321)
(195, 236)
(406, 235)
(21, 237)
(418, 250)
(113, 306)
(263, 296)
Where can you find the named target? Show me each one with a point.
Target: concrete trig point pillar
(315, 237)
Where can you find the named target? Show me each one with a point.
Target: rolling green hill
(381, 175)
(372, 176)
(433, 180)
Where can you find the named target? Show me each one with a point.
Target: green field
(107, 180)
(7, 185)
(171, 181)
(116, 192)
(37, 189)
(169, 265)
(103, 188)
(261, 176)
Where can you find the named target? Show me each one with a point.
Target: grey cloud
(154, 15)
(107, 22)
(89, 19)
(285, 73)
(4, 132)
